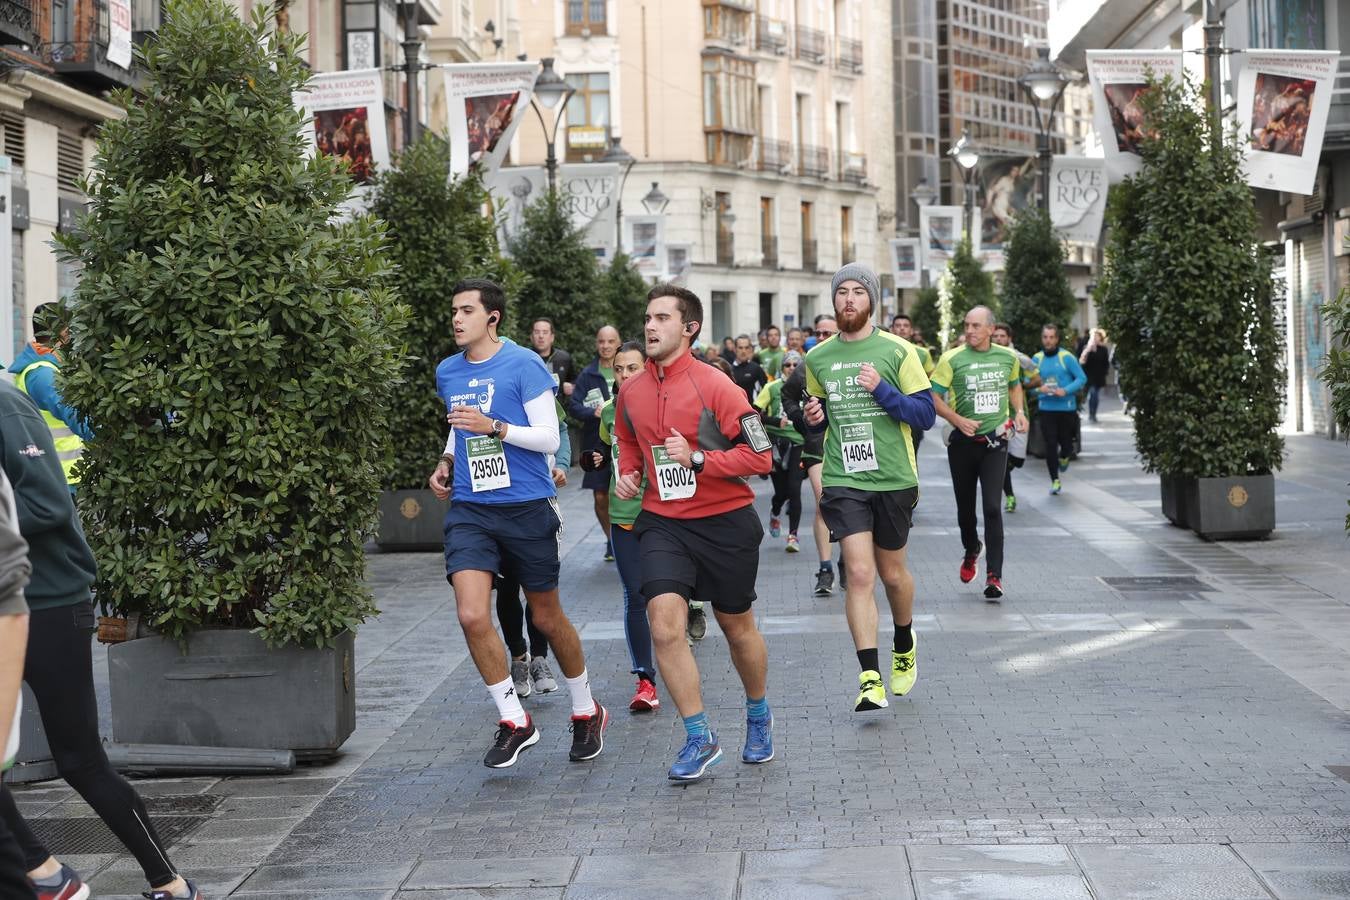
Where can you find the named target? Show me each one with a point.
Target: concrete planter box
(231, 690)
(34, 761)
(1226, 509)
(1174, 499)
(411, 521)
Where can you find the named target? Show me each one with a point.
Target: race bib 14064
(858, 448)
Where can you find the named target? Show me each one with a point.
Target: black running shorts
(715, 558)
(887, 514)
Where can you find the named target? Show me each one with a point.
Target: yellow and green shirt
(980, 382)
(864, 447)
(770, 400)
(621, 512)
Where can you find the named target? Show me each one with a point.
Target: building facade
(1307, 235)
(767, 125)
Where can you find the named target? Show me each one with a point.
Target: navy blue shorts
(519, 538)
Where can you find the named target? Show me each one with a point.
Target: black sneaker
(510, 740)
(588, 734)
(161, 894)
(824, 582)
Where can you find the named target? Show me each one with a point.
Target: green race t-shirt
(864, 447)
(621, 512)
(771, 361)
(980, 381)
(770, 400)
(926, 358)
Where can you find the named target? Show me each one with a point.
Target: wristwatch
(696, 460)
(496, 428)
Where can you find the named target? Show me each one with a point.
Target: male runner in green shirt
(975, 386)
(869, 388)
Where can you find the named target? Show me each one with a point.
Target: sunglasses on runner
(824, 333)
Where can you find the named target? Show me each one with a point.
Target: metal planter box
(1226, 509)
(411, 521)
(231, 690)
(1174, 499)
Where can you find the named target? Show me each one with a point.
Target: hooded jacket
(41, 385)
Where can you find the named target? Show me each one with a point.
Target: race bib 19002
(673, 481)
(487, 463)
(857, 447)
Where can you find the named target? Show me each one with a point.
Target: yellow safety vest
(69, 445)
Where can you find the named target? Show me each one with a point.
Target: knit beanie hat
(861, 274)
(792, 356)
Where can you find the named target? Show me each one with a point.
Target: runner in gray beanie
(861, 274)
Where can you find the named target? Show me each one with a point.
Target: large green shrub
(1035, 288)
(561, 278)
(1187, 297)
(925, 314)
(438, 235)
(623, 294)
(962, 286)
(1336, 372)
(236, 348)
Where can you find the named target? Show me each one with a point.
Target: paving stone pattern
(1077, 740)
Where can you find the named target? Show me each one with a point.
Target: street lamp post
(625, 160)
(551, 91)
(655, 201)
(1044, 84)
(922, 196)
(967, 158)
(412, 58)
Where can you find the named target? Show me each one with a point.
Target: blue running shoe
(758, 740)
(699, 753)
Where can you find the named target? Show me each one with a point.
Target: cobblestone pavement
(1171, 737)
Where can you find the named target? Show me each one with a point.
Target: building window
(810, 259)
(726, 246)
(721, 317)
(847, 251)
(588, 116)
(726, 24)
(728, 107)
(69, 161)
(585, 17)
(768, 232)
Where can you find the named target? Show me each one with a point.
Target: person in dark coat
(594, 386)
(1096, 361)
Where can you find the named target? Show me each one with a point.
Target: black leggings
(972, 460)
(787, 485)
(59, 669)
(515, 617)
(1057, 428)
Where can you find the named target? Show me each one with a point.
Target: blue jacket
(1061, 370)
(41, 385)
(589, 380)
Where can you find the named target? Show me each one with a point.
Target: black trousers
(59, 669)
(787, 485)
(13, 875)
(978, 467)
(1057, 428)
(516, 620)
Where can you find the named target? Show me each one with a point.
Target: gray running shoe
(824, 582)
(698, 623)
(544, 682)
(520, 674)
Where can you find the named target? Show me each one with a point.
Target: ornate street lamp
(655, 201)
(967, 158)
(1044, 86)
(625, 160)
(551, 92)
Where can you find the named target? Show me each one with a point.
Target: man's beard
(853, 321)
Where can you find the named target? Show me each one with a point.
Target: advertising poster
(484, 103)
(589, 191)
(1078, 197)
(1009, 184)
(905, 262)
(1284, 97)
(347, 110)
(1119, 79)
(646, 244)
(119, 33)
(939, 233)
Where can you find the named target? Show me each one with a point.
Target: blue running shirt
(499, 387)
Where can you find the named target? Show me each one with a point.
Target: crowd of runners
(674, 433)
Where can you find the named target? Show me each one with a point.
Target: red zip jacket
(650, 404)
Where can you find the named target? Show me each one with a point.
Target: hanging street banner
(589, 192)
(905, 262)
(646, 244)
(1009, 184)
(1078, 197)
(348, 120)
(1283, 99)
(485, 102)
(939, 233)
(1119, 79)
(119, 33)
(990, 255)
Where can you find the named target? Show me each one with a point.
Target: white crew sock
(580, 689)
(508, 704)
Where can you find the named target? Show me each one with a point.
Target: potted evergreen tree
(236, 350)
(438, 235)
(1336, 373)
(1187, 295)
(962, 286)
